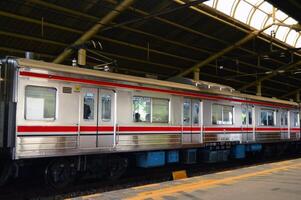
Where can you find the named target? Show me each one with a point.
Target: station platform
(273, 181)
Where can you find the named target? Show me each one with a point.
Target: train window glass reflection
(246, 116)
(186, 111)
(40, 103)
(106, 102)
(227, 115)
(88, 113)
(267, 118)
(160, 110)
(283, 119)
(222, 114)
(141, 109)
(250, 116)
(195, 112)
(296, 117)
(217, 112)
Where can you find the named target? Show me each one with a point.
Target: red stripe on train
(137, 129)
(190, 94)
(47, 128)
(95, 128)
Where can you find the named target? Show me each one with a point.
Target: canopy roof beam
(105, 21)
(93, 18)
(219, 54)
(283, 68)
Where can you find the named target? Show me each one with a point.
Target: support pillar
(196, 74)
(258, 88)
(298, 96)
(81, 57)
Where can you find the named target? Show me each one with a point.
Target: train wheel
(60, 173)
(97, 168)
(116, 168)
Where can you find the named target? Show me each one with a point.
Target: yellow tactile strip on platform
(173, 188)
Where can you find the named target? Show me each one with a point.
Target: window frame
(111, 98)
(193, 102)
(152, 106)
(151, 109)
(222, 114)
(133, 109)
(249, 110)
(94, 102)
(284, 121)
(274, 117)
(298, 119)
(56, 103)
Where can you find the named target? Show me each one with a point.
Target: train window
(227, 114)
(267, 118)
(222, 114)
(283, 118)
(246, 116)
(186, 111)
(296, 119)
(88, 113)
(250, 116)
(40, 103)
(160, 110)
(195, 112)
(106, 102)
(141, 109)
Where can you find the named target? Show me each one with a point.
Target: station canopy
(164, 39)
(259, 14)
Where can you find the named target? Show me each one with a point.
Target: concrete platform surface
(275, 181)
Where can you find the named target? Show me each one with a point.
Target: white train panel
(82, 116)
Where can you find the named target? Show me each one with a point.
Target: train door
(284, 124)
(106, 136)
(88, 118)
(247, 119)
(191, 121)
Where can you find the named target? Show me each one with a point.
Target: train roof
(223, 90)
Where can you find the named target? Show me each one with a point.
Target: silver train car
(70, 117)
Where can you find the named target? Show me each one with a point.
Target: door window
(195, 112)
(283, 119)
(246, 116)
(88, 113)
(106, 104)
(296, 119)
(191, 112)
(187, 111)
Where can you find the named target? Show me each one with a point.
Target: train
(76, 120)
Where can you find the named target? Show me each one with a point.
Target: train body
(49, 110)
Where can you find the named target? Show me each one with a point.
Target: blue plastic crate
(254, 148)
(190, 156)
(210, 156)
(226, 154)
(172, 156)
(239, 151)
(150, 159)
(220, 156)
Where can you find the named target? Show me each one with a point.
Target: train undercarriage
(59, 172)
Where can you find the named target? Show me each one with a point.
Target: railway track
(33, 188)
